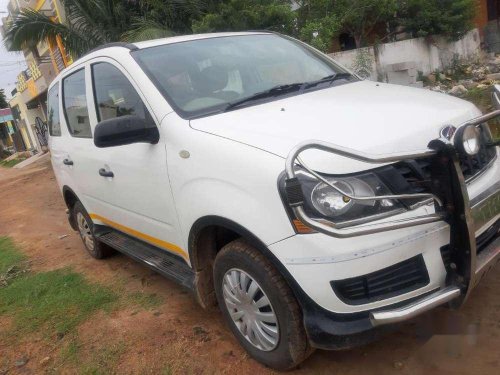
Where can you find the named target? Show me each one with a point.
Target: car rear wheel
(85, 227)
(259, 307)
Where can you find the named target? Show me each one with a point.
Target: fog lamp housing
(468, 140)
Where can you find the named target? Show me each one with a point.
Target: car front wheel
(259, 307)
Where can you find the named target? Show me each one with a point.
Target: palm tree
(90, 23)
(160, 18)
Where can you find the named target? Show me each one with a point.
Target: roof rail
(129, 46)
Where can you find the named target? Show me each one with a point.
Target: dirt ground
(179, 337)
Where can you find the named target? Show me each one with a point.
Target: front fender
(229, 180)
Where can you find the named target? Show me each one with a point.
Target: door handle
(105, 173)
(67, 162)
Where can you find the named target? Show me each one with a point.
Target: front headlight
(325, 202)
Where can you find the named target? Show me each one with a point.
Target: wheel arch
(70, 198)
(203, 246)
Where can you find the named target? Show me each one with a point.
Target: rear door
(57, 138)
(75, 123)
(137, 200)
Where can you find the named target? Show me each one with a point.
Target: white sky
(11, 63)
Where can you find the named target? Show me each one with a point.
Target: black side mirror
(125, 130)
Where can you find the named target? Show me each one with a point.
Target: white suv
(314, 208)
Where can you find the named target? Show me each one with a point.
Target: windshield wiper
(331, 78)
(285, 89)
(274, 91)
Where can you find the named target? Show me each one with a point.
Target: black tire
(292, 346)
(96, 249)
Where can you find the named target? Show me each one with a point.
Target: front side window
(114, 94)
(53, 111)
(75, 105)
(204, 76)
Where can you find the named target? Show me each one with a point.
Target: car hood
(367, 116)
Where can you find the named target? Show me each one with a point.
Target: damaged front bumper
(452, 204)
(484, 210)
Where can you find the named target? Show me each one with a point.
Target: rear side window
(75, 105)
(114, 94)
(53, 111)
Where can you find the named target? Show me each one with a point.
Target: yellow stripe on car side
(146, 237)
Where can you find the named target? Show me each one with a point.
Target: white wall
(427, 56)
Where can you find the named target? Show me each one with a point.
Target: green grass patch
(10, 163)
(70, 352)
(103, 359)
(145, 300)
(100, 360)
(9, 255)
(481, 97)
(57, 301)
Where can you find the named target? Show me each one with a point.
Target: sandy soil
(181, 337)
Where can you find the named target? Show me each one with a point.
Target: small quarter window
(114, 94)
(53, 111)
(75, 105)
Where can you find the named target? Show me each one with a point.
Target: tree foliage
(90, 23)
(3, 99)
(160, 19)
(318, 21)
(327, 18)
(319, 33)
(451, 18)
(238, 15)
(360, 17)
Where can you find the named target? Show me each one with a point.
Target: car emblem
(447, 132)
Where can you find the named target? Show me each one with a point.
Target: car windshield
(207, 76)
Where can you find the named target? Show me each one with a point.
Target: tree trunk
(358, 40)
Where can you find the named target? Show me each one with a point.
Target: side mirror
(125, 130)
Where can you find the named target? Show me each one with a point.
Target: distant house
(6, 128)
(44, 62)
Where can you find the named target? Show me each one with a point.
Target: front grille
(482, 242)
(398, 279)
(415, 175)
(407, 177)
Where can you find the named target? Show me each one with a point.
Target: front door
(137, 199)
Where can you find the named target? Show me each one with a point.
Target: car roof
(185, 38)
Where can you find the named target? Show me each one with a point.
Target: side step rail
(163, 262)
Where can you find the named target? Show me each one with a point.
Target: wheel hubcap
(250, 309)
(85, 231)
